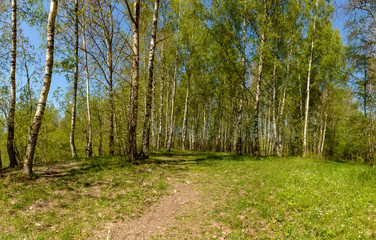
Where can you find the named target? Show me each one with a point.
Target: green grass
(71, 200)
(277, 198)
(291, 198)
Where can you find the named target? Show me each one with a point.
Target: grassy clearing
(242, 197)
(289, 198)
(70, 200)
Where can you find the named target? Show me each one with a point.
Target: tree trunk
(267, 130)
(225, 140)
(100, 147)
(111, 95)
(167, 113)
(12, 109)
(172, 121)
(318, 150)
(238, 145)
(172, 117)
(203, 130)
(370, 123)
(275, 132)
(146, 133)
(185, 114)
(37, 121)
(132, 150)
(1, 166)
(279, 141)
(323, 135)
(305, 150)
(218, 126)
(154, 117)
(117, 134)
(75, 80)
(89, 144)
(159, 139)
(247, 131)
(256, 147)
(28, 77)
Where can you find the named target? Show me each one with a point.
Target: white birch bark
(89, 144)
(132, 141)
(161, 89)
(12, 109)
(37, 121)
(256, 147)
(305, 148)
(75, 80)
(146, 132)
(184, 133)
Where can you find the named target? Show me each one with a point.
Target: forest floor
(190, 195)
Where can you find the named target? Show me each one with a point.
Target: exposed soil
(162, 217)
(181, 214)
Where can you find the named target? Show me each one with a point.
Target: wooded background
(258, 77)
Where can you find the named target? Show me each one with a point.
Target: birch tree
(132, 134)
(146, 132)
(75, 81)
(38, 117)
(305, 149)
(12, 109)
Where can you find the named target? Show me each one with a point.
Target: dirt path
(162, 216)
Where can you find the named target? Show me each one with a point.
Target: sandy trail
(161, 216)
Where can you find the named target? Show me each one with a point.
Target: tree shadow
(178, 161)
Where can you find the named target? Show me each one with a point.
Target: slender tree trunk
(1, 166)
(75, 80)
(370, 152)
(146, 133)
(185, 114)
(172, 121)
(159, 139)
(314, 142)
(247, 131)
(154, 118)
(305, 149)
(172, 117)
(318, 147)
(117, 134)
(111, 95)
(256, 147)
(37, 121)
(267, 130)
(238, 144)
(100, 147)
(218, 126)
(12, 109)
(323, 135)
(279, 144)
(89, 144)
(167, 112)
(225, 140)
(28, 77)
(203, 130)
(275, 136)
(132, 150)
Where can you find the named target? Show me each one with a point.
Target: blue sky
(340, 18)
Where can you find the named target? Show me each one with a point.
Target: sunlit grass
(292, 198)
(278, 198)
(71, 201)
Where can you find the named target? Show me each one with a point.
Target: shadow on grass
(194, 157)
(172, 160)
(83, 166)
